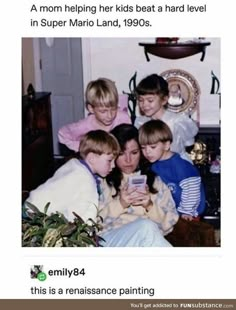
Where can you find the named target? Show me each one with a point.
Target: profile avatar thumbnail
(35, 270)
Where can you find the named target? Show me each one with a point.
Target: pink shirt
(71, 134)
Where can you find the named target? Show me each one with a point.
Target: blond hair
(98, 142)
(154, 131)
(102, 92)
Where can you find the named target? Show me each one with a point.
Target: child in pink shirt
(102, 105)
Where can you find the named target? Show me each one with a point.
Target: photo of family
(110, 144)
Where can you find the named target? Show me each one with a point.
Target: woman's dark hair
(125, 133)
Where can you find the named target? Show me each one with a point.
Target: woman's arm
(110, 206)
(163, 210)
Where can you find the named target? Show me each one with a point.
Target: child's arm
(190, 196)
(70, 189)
(184, 132)
(140, 120)
(190, 129)
(70, 135)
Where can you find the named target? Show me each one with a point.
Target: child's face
(151, 104)
(103, 164)
(104, 115)
(157, 151)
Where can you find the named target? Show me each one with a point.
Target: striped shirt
(185, 183)
(190, 196)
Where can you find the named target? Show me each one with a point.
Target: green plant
(54, 230)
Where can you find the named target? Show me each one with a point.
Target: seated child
(153, 94)
(181, 176)
(102, 105)
(75, 186)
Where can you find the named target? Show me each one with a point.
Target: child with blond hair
(182, 178)
(102, 105)
(75, 186)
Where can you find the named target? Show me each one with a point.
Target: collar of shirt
(95, 176)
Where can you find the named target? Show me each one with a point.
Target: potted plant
(40, 229)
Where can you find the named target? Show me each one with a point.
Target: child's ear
(90, 108)
(167, 145)
(91, 158)
(165, 100)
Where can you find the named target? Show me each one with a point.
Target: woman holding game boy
(133, 198)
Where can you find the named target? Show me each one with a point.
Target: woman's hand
(131, 196)
(143, 198)
(127, 195)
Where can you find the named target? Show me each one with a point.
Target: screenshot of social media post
(117, 181)
(98, 181)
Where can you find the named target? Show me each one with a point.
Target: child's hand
(187, 217)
